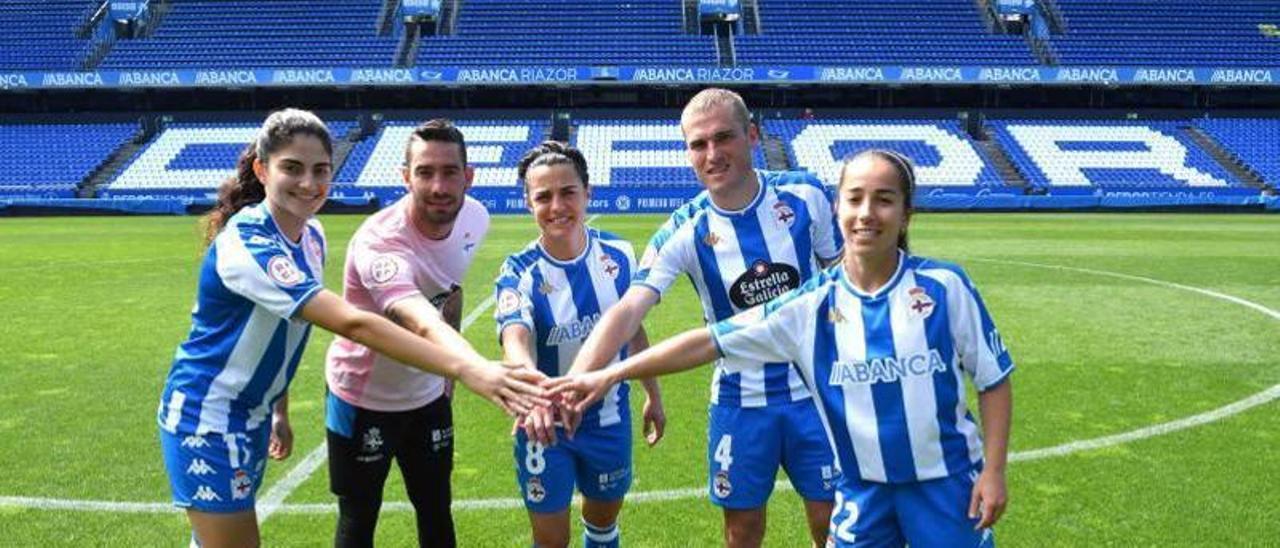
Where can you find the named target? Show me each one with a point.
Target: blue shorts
(597, 459)
(215, 472)
(746, 445)
(923, 514)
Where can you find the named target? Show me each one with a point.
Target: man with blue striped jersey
(748, 238)
(259, 291)
(549, 297)
(884, 340)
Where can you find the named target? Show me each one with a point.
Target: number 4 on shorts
(724, 452)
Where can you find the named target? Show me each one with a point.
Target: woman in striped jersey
(260, 290)
(884, 340)
(549, 297)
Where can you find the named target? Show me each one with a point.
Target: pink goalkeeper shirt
(389, 260)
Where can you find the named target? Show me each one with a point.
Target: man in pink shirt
(407, 262)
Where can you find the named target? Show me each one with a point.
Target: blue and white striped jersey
(886, 367)
(245, 339)
(561, 301)
(739, 259)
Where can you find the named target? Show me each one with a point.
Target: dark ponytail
(237, 191)
(244, 188)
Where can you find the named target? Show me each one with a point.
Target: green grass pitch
(92, 308)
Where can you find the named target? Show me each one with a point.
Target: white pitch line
(273, 500)
(1266, 396)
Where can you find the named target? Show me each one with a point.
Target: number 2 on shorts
(844, 529)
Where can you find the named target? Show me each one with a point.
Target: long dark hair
(244, 188)
(906, 172)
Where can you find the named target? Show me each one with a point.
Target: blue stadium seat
(944, 32)
(1161, 32)
(39, 34)
(51, 160)
(1253, 142)
(1086, 155)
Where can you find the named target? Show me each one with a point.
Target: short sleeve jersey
(388, 260)
(246, 337)
(888, 368)
(739, 259)
(561, 301)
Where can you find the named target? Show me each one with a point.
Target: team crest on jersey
(282, 271)
(534, 490)
(784, 214)
(711, 239)
(241, 485)
(721, 484)
(921, 304)
(610, 266)
(508, 301)
(383, 269)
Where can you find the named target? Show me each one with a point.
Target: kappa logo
(241, 485)
(546, 288)
(834, 315)
(711, 239)
(921, 304)
(206, 494)
(261, 240)
(199, 467)
(508, 302)
(610, 266)
(721, 484)
(383, 269)
(194, 442)
(282, 270)
(784, 214)
(534, 490)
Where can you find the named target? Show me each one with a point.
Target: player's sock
(195, 542)
(600, 537)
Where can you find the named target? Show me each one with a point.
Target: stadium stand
(1058, 155)
(494, 147)
(634, 152)
(878, 32)
(260, 34)
(943, 153)
(38, 34)
(1252, 142)
(1206, 32)
(51, 160)
(583, 32)
(190, 159)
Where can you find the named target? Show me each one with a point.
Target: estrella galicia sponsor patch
(763, 282)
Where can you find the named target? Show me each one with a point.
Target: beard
(438, 214)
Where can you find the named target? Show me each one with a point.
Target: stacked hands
(540, 403)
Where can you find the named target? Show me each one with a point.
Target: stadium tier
(948, 32)
(1253, 143)
(260, 34)
(944, 155)
(1117, 155)
(39, 34)
(51, 160)
(1162, 32)
(494, 148)
(535, 32)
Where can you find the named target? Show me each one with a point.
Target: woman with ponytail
(884, 340)
(260, 290)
